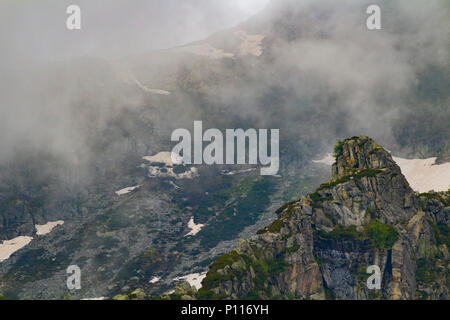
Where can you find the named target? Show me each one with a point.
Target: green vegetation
(341, 233)
(374, 294)
(382, 236)
(291, 249)
(244, 211)
(427, 272)
(274, 227)
(374, 150)
(316, 197)
(442, 233)
(356, 175)
(284, 207)
(213, 278)
(338, 149)
(361, 274)
(264, 269)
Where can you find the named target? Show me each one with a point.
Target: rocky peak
(356, 154)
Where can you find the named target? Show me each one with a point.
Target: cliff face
(321, 246)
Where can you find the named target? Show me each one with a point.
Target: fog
(35, 31)
(60, 88)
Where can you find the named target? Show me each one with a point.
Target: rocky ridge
(321, 246)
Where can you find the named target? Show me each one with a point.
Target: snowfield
(424, 174)
(48, 227)
(164, 157)
(8, 247)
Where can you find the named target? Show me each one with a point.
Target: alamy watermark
(229, 150)
(74, 280)
(374, 281)
(73, 21)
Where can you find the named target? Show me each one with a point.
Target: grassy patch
(341, 233)
(234, 218)
(338, 149)
(383, 236)
(356, 176)
(274, 227)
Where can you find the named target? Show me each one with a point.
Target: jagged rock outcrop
(183, 291)
(321, 246)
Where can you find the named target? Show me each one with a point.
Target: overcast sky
(35, 31)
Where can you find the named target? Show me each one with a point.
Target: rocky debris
(137, 294)
(321, 246)
(183, 291)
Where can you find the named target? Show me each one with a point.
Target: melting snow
(155, 91)
(195, 228)
(168, 158)
(154, 280)
(194, 279)
(127, 190)
(231, 173)
(424, 174)
(48, 227)
(8, 247)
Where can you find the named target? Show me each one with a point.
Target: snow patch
(154, 280)
(146, 89)
(168, 158)
(42, 229)
(195, 228)
(425, 175)
(127, 190)
(162, 165)
(194, 279)
(232, 173)
(8, 247)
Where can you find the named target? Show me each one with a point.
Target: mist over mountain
(79, 111)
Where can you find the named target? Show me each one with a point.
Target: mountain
(76, 146)
(321, 245)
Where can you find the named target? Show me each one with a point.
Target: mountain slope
(309, 68)
(322, 244)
